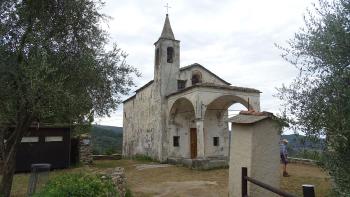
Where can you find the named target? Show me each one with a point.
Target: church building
(181, 115)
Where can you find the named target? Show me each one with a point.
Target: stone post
(255, 145)
(85, 149)
(200, 138)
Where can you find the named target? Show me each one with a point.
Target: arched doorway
(182, 130)
(216, 128)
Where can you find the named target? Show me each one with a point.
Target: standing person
(284, 156)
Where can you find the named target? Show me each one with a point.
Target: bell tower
(167, 60)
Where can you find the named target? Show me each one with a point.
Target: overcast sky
(232, 38)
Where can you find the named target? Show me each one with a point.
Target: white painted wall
(255, 146)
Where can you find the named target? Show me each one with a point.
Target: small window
(157, 57)
(196, 77)
(170, 54)
(181, 84)
(176, 140)
(53, 139)
(216, 141)
(30, 139)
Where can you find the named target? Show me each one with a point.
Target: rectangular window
(181, 84)
(216, 141)
(30, 139)
(176, 141)
(53, 139)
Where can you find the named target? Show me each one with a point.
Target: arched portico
(208, 120)
(180, 124)
(216, 132)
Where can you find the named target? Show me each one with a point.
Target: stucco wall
(254, 146)
(266, 157)
(141, 124)
(181, 127)
(240, 156)
(206, 76)
(166, 73)
(215, 126)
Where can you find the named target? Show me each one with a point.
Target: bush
(309, 154)
(78, 185)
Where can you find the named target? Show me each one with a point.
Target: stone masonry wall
(85, 149)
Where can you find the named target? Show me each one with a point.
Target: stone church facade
(181, 115)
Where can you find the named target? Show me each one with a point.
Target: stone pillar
(200, 138)
(255, 145)
(85, 149)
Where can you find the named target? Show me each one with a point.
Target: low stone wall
(107, 157)
(302, 161)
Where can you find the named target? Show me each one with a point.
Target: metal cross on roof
(167, 8)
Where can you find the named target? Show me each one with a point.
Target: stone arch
(181, 120)
(216, 133)
(180, 105)
(224, 101)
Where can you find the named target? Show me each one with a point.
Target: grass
(139, 157)
(306, 174)
(180, 181)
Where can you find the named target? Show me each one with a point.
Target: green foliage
(55, 68)
(128, 193)
(305, 147)
(317, 102)
(309, 154)
(78, 185)
(106, 139)
(54, 62)
(140, 157)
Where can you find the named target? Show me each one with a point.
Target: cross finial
(167, 8)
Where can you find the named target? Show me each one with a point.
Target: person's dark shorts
(283, 159)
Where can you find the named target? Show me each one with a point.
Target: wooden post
(308, 191)
(244, 182)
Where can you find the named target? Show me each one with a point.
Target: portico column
(200, 138)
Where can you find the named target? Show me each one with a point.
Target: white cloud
(226, 35)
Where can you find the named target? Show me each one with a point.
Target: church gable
(196, 73)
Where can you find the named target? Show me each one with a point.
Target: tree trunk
(7, 176)
(9, 161)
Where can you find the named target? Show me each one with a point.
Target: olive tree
(317, 102)
(55, 68)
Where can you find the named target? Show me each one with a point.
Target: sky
(235, 39)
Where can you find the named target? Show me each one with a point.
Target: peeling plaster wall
(141, 124)
(180, 126)
(206, 77)
(215, 126)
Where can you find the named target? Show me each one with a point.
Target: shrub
(78, 185)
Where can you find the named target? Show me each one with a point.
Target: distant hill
(106, 139)
(303, 142)
(303, 146)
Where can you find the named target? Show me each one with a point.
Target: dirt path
(172, 181)
(162, 180)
